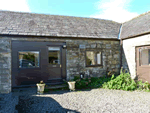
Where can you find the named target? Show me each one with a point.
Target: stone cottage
(36, 47)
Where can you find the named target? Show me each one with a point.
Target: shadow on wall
(124, 62)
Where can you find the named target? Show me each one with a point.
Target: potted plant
(71, 84)
(40, 87)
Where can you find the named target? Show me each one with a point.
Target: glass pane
(145, 57)
(99, 58)
(28, 59)
(54, 55)
(90, 58)
(54, 48)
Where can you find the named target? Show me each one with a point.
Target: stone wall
(129, 52)
(75, 62)
(76, 57)
(124, 62)
(5, 65)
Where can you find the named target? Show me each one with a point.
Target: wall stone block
(93, 45)
(99, 45)
(108, 46)
(117, 66)
(109, 57)
(116, 56)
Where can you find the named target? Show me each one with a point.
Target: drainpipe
(121, 49)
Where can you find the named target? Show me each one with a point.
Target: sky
(116, 10)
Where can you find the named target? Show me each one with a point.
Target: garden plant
(120, 82)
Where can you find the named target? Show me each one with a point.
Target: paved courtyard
(89, 101)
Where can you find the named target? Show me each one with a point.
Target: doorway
(143, 63)
(34, 61)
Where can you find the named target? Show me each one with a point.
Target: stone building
(36, 47)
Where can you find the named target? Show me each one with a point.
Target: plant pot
(40, 88)
(72, 85)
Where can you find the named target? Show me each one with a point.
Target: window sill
(93, 65)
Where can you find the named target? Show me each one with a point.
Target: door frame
(51, 65)
(138, 60)
(44, 44)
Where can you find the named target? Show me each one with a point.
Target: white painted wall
(129, 51)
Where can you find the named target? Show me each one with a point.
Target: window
(54, 55)
(28, 59)
(93, 58)
(145, 56)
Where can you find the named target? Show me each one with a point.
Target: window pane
(54, 48)
(54, 55)
(90, 58)
(28, 59)
(145, 57)
(99, 58)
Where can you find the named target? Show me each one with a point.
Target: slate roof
(19, 23)
(136, 26)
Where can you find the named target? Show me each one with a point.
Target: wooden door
(54, 62)
(143, 63)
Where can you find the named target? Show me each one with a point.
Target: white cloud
(116, 10)
(14, 5)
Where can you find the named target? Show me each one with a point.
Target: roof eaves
(133, 36)
(62, 36)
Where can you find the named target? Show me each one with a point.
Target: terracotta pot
(72, 85)
(40, 88)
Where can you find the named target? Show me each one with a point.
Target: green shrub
(125, 82)
(120, 82)
(93, 82)
(81, 83)
(146, 86)
(76, 77)
(143, 86)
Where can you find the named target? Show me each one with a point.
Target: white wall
(129, 51)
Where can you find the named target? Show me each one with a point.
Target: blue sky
(116, 10)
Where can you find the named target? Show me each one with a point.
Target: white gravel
(93, 101)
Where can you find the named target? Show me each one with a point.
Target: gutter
(119, 32)
(121, 49)
(59, 37)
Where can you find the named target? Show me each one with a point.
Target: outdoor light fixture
(81, 75)
(64, 46)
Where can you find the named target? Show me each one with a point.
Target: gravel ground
(92, 101)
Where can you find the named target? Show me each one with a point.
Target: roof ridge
(57, 15)
(137, 16)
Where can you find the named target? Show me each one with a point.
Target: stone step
(48, 86)
(34, 85)
(54, 80)
(56, 86)
(54, 83)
